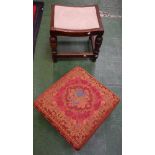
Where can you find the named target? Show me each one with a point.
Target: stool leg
(98, 42)
(53, 42)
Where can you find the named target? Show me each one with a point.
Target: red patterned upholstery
(76, 105)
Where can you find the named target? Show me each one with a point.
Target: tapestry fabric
(76, 105)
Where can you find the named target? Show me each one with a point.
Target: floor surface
(108, 69)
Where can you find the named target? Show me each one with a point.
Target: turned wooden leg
(98, 42)
(53, 42)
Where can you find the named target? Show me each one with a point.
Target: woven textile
(37, 15)
(76, 105)
(75, 18)
(34, 10)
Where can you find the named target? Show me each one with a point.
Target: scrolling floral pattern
(76, 105)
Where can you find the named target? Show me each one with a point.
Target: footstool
(81, 21)
(76, 105)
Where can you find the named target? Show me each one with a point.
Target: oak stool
(81, 21)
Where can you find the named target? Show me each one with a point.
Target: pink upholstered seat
(75, 18)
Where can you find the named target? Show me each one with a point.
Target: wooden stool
(76, 22)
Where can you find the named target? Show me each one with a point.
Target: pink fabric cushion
(75, 18)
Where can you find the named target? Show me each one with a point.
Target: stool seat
(75, 18)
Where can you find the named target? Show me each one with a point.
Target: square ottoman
(76, 105)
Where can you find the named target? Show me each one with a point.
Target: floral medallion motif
(78, 99)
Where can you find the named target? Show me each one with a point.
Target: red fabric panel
(34, 10)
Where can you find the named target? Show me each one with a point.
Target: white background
(16, 77)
